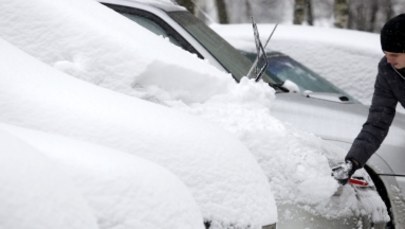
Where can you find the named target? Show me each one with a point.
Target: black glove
(343, 171)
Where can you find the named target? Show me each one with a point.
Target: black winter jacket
(389, 89)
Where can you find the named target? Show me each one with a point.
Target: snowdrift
(121, 189)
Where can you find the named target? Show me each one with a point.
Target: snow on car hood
(37, 194)
(121, 188)
(224, 178)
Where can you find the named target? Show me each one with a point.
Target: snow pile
(346, 58)
(222, 175)
(119, 187)
(295, 163)
(35, 193)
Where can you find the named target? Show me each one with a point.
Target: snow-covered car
(335, 118)
(117, 188)
(95, 44)
(35, 193)
(223, 177)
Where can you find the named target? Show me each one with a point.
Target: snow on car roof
(79, 31)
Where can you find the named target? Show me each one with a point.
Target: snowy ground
(224, 179)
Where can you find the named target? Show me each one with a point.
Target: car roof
(164, 5)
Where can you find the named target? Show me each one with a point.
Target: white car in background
(335, 117)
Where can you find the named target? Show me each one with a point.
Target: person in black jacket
(389, 89)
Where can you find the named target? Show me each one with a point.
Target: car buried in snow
(233, 194)
(224, 178)
(331, 115)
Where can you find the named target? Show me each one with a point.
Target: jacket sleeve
(381, 114)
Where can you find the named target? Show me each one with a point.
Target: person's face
(397, 60)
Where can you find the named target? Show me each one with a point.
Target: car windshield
(282, 67)
(226, 54)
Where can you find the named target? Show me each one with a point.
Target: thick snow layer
(222, 175)
(295, 163)
(35, 193)
(79, 31)
(123, 190)
(346, 58)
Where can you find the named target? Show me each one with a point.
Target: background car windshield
(282, 68)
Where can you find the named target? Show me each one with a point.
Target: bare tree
(369, 15)
(222, 14)
(303, 12)
(360, 14)
(341, 13)
(365, 15)
(385, 12)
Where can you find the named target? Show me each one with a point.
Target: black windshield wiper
(279, 87)
(261, 53)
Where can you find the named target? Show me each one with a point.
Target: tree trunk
(299, 13)
(341, 13)
(303, 12)
(222, 14)
(363, 15)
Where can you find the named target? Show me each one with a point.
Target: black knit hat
(393, 35)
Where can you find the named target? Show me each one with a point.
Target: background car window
(286, 68)
(282, 67)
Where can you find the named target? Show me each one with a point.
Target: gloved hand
(343, 171)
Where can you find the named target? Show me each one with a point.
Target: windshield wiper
(279, 87)
(261, 53)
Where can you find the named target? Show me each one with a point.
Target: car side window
(151, 26)
(154, 24)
